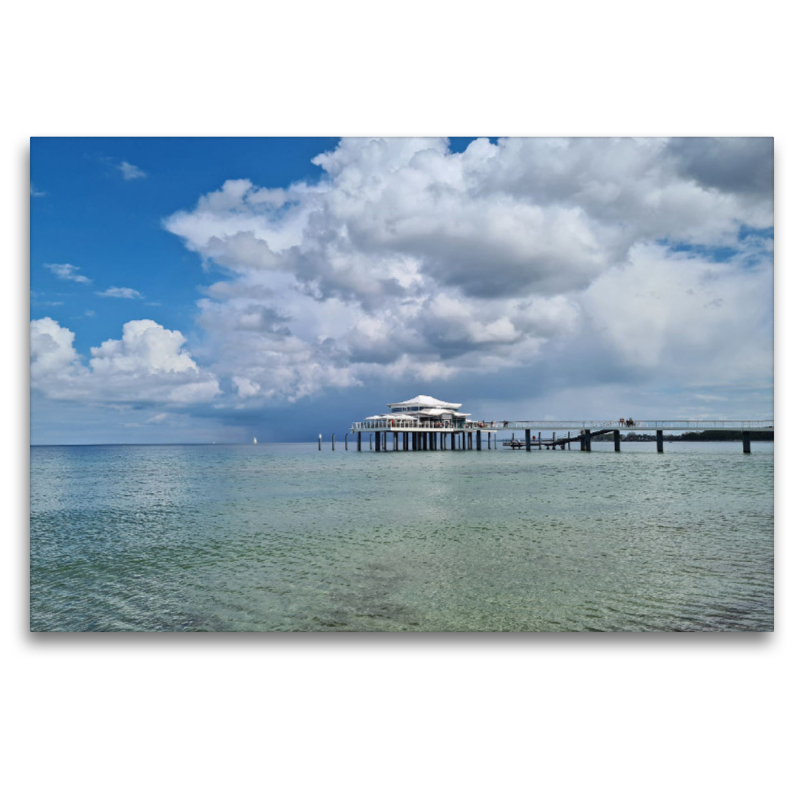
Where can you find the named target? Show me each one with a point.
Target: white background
(375, 716)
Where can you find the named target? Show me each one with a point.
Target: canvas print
(401, 385)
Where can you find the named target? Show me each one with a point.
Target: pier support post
(463, 440)
(396, 438)
(746, 442)
(358, 441)
(569, 443)
(527, 439)
(453, 440)
(616, 441)
(370, 441)
(405, 440)
(660, 441)
(539, 440)
(478, 439)
(377, 441)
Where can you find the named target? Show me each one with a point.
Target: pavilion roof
(426, 401)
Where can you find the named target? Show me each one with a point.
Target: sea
(287, 537)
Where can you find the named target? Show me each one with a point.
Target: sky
(204, 289)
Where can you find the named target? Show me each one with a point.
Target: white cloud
(148, 364)
(122, 292)
(130, 172)
(409, 261)
(67, 272)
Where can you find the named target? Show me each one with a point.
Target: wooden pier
(408, 435)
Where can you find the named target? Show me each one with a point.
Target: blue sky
(205, 289)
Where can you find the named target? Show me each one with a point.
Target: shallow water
(283, 537)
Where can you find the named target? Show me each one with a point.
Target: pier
(425, 423)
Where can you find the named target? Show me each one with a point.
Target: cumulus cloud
(407, 261)
(67, 272)
(147, 365)
(122, 292)
(130, 172)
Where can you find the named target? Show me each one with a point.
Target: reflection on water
(282, 537)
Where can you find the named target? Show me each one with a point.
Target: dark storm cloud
(729, 164)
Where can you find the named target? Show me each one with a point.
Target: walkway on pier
(423, 437)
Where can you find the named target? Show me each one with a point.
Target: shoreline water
(282, 537)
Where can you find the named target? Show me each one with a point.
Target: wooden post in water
(660, 441)
(539, 439)
(333, 441)
(370, 441)
(478, 439)
(396, 437)
(569, 443)
(345, 441)
(319, 443)
(452, 440)
(358, 441)
(746, 442)
(616, 441)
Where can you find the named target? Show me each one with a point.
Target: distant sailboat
(255, 441)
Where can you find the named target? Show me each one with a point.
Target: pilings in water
(528, 440)
(358, 441)
(616, 442)
(319, 442)
(345, 442)
(746, 442)
(539, 434)
(660, 441)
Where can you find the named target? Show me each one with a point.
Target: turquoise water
(286, 538)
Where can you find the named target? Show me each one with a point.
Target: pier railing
(648, 425)
(407, 424)
(571, 425)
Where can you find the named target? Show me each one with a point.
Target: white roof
(426, 402)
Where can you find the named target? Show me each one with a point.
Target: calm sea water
(286, 538)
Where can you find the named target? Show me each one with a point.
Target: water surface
(286, 538)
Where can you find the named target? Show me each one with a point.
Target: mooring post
(528, 439)
(319, 443)
(539, 434)
(569, 443)
(616, 441)
(746, 442)
(478, 439)
(358, 441)
(660, 441)
(345, 441)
